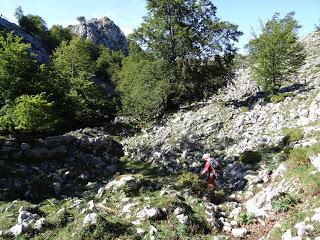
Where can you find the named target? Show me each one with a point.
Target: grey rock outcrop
(36, 45)
(102, 31)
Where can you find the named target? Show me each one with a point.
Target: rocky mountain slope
(36, 45)
(102, 31)
(269, 187)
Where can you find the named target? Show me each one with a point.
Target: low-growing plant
(277, 98)
(246, 219)
(292, 135)
(244, 109)
(250, 157)
(191, 181)
(280, 97)
(105, 229)
(284, 203)
(299, 156)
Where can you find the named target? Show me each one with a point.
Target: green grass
(292, 135)
(284, 203)
(246, 219)
(280, 97)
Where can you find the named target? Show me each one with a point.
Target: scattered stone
(40, 224)
(151, 213)
(183, 219)
(90, 219)
(140, 231)
(315, 160)
(18, 229)
(287, 235)
(302, 228)
(239, 232)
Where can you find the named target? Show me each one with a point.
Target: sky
(128, 14)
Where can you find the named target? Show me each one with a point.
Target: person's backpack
(216, 165)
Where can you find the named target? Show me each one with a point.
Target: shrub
(29, 114)
(250, 157)
(246, 219)
(284, 203)
(292, 135)
(191, 181)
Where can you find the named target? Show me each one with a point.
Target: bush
(292, 135)
(29, 114)
(250, 157)
(246, 219)
(193, 182)
(284, 203)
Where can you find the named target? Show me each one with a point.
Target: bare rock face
(36, 45)
(102, 31)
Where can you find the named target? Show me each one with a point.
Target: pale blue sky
(128, 14)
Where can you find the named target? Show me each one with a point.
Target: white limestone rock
(90, 219)
(239, 232)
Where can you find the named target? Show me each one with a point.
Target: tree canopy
(276, 53)
(194, 45)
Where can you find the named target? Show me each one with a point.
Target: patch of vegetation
(106, 229)
(280, 97)
(284, 203)
(246, 219)
(299, 156)
(191, 181)
(250, 157)
(292, 135)
(244, 109)
(3, 139)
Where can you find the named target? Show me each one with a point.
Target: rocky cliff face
(36, 45)
(102, 31)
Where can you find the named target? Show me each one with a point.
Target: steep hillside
(269, 187)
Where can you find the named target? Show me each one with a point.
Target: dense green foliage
(29, 114)
(33, 97)
(144, 86)
(75, 64)
(189, 43)
(276, 53)
(17, 68)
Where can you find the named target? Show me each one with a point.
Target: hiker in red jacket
(208, 168)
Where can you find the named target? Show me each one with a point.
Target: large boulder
(102, 31)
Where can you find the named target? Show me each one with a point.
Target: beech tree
(276, 54)
(193, 44)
